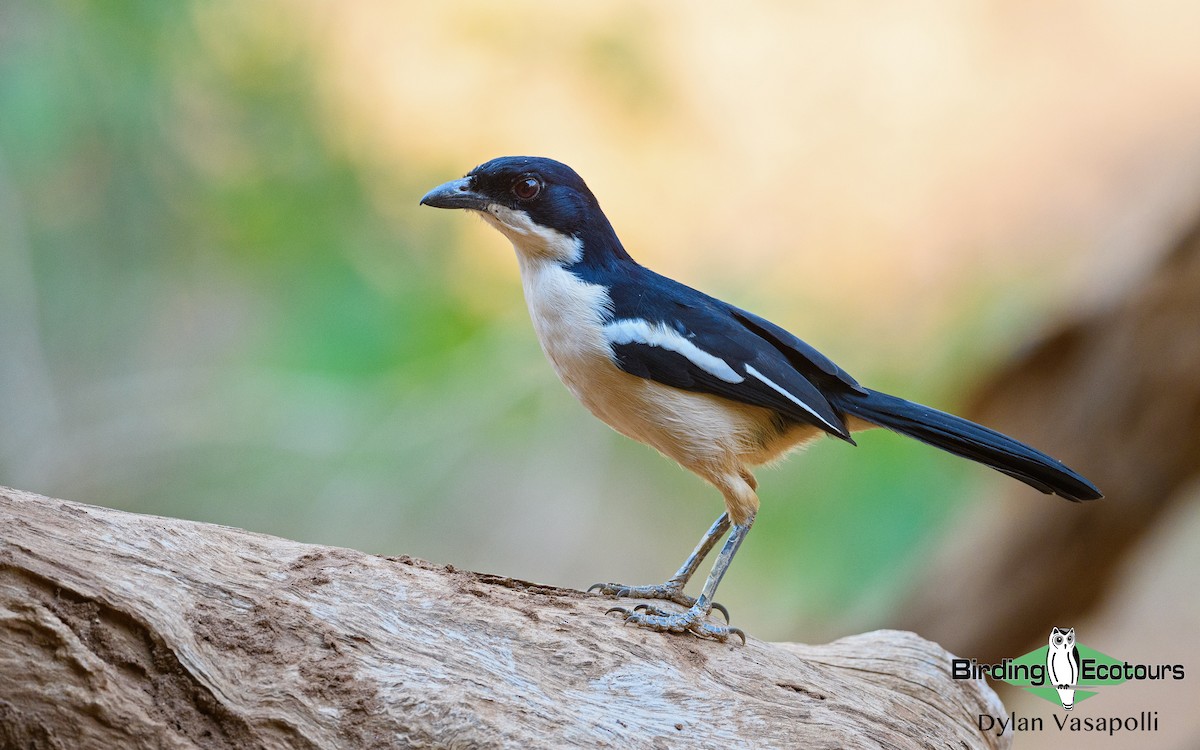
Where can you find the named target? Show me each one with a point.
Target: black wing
(767, 366)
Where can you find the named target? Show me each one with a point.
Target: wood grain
(131, 631)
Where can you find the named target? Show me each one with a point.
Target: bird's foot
(669, 591)
(691, 621)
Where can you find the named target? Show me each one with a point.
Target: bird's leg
(672, 590)
(693, 620)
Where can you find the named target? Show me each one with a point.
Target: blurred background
(219, 299)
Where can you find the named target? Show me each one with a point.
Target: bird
(1062, 664)
(715, 388)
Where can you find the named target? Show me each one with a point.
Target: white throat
(532, 241)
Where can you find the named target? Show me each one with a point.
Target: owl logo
(1062, 664)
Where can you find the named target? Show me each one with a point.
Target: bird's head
(541, 205)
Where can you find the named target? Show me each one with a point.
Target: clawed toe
(724, 612)
(671, 592)
(690, 621)
(651, 609)
(665, 591)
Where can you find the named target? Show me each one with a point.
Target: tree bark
(122, 630)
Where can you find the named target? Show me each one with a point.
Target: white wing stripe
(637, 331)
(775, 386)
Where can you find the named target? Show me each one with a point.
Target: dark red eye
(527, 188)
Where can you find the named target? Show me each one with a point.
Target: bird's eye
(527, 188)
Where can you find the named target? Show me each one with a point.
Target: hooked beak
(455, 194)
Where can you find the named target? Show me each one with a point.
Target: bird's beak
(455, 194)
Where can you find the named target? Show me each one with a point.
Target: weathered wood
(122, 630)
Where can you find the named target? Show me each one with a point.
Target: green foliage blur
(206, 312)
(198, 328)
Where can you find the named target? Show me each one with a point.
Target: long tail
(969, 440)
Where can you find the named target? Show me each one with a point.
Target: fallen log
(133, 631)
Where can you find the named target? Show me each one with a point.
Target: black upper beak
(455, 194)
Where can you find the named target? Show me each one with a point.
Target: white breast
(705, 433)
(568, 316)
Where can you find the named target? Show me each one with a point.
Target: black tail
(969, 440)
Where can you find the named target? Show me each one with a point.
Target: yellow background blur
(219, 299)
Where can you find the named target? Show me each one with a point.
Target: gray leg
(672, 590)
(693, 619)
